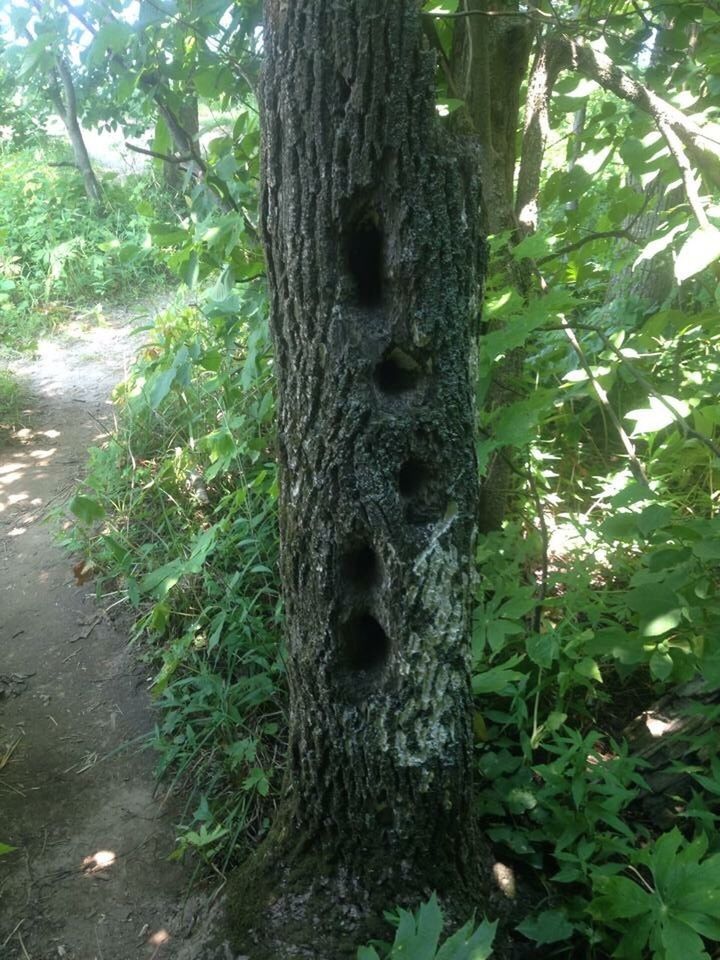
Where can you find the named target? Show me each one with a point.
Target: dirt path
(90, 879)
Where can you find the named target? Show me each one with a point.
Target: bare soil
(90, 878)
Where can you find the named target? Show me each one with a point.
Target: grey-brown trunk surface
(370, 219)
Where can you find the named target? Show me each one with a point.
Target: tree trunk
(188, 121)
(370, 220)
(489, 63)
(66, 104)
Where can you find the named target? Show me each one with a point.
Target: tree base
(288, 903)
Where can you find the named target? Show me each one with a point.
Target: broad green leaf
(86, 508)
(656, 416)
(465, 945)
(680, 941)
(663, 857)
(659, 244)
(158, 386)
(495, 680)
(550, 926)
(700, 922)
(650, 600)
(661, 665)
(661, 624)
(440, 6)
(367, 953)
(707, 549)
(700, 250)
(542, 648)
(621, 899)
(521, 602)
(429, 928)
(587, 667)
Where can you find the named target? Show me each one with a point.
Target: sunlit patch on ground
(99, 861)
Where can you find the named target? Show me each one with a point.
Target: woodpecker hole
(360, 567)
(413, 479)
(365, 645)
(397, 372)
(364, 260)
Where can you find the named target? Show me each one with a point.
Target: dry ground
(90, 879)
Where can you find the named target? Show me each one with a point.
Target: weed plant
(178, 515)
(57, 252)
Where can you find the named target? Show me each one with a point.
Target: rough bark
(370, 224)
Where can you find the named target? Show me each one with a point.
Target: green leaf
(5, 848)
(542, 648)
(466, 946)
(495, 680)
(663, 857)
(158, 386)
(707, 549)
(429, 928)
(662, 623)
(86, 509)
(440, 6)
(621, 899)
(367, 953)
(633, 153)
(587, 667)
(700, 922)
(656, 416)
(661, 665)
(521, 602)
(551, 926)
(680, 941)
(700, 250)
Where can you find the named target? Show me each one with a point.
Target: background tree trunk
(371, 229)
(185, 133)
(66, 105)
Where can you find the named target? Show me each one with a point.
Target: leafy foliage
(600, 591)
(418, 936)
(54, 250)
(673, 909)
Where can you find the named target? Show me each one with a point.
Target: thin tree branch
(158, 156)
(542, 593)
(691, 190)
(588, 238)
(622, 234)
(652, 390)
(636, 467)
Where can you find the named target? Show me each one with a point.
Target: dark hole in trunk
(365, 645)
(364, 257)
(413, 479)
(360, 567)
(397, 372)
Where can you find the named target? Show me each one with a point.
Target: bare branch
(158, 156)
(588, 238)
(636, 467)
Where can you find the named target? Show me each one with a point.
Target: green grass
(11, 398)
(57, 253)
